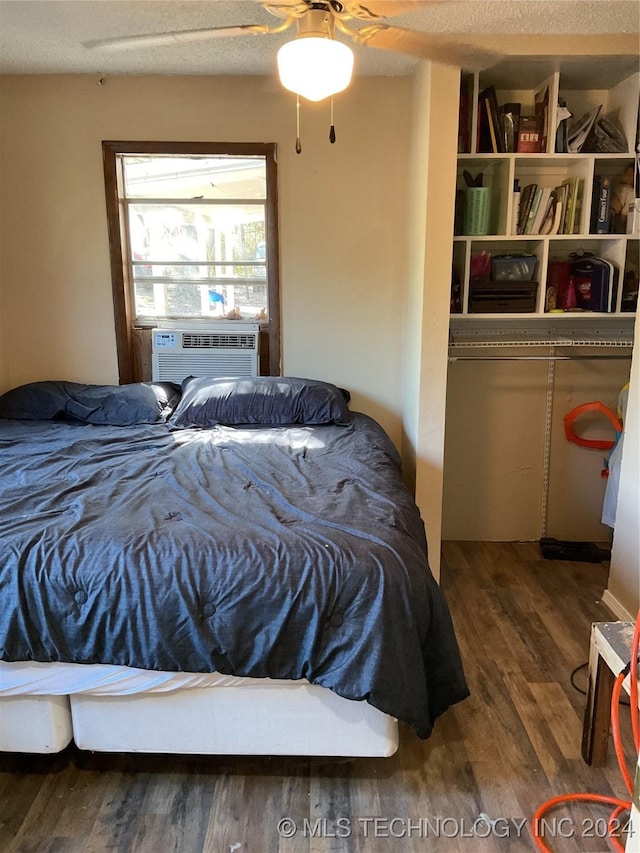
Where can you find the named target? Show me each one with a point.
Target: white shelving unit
(614, 85)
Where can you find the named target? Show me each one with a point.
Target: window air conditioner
(224, 350)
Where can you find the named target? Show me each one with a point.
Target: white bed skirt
(121, 709)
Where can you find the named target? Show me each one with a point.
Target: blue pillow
(262, 400)
(113, 405)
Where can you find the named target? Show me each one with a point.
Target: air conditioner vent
(191, 340)
(214, 351)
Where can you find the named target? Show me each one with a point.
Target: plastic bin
(516, 267)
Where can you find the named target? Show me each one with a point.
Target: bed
(233, 566)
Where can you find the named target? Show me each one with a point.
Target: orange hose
(613, 826)
(620, 805)
(613, 841)
(635, 717)
(615, 731)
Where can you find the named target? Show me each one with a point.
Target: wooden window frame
(129, 365)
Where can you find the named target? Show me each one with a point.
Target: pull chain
(332, 130)
(298, 144)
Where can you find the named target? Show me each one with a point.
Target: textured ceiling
(48, 36)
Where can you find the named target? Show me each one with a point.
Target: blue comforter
(285, 552)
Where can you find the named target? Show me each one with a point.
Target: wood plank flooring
(523, 624)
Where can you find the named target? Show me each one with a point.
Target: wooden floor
(523, 624)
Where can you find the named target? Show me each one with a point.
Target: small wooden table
(609, 653)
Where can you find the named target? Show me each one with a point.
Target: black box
(502, 297)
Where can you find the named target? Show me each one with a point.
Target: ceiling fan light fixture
(315, 67)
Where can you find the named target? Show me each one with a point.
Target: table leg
(597, 715)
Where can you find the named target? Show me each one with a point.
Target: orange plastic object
(594, 443)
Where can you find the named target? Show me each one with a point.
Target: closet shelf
(544, 331)
(510, 341)
(550, 344)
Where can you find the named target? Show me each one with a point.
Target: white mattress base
(309, 720)
(122, 709)
(39, 724)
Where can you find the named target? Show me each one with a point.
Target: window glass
(197, 236)
(165, 176)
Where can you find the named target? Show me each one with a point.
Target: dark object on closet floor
(581, 552)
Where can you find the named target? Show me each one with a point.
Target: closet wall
(494, 449)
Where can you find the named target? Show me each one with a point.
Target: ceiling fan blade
(470, 56)
(163, 39)
(287, 6)
(385, 8)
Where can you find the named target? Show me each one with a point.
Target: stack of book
(551, 210)
(491, 137)
(501, 129)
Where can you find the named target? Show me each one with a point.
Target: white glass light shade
(315, 67)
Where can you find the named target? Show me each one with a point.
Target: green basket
(477, 204)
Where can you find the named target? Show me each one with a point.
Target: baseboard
(615, 607)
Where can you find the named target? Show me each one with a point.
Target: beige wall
(342, 220)
(358, 261)
(433, 175)
(623, 592)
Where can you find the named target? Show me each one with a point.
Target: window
(196, 236)
(193, 236)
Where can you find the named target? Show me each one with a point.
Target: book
(577, 215)
(571, 184)
(533, 210)
(493, 132)
(515, 206)
(510, 120)
(557, 217)
(495, 136)
(541, 99)
(526, 199)
(529, 136)
(543, 207)
(547, 222)
(464, 117)
(483, 135)
(562, 120)
(551, 222)
(562, 192)
(601, 209)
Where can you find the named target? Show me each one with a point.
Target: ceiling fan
(316, 65)
(316, 21)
